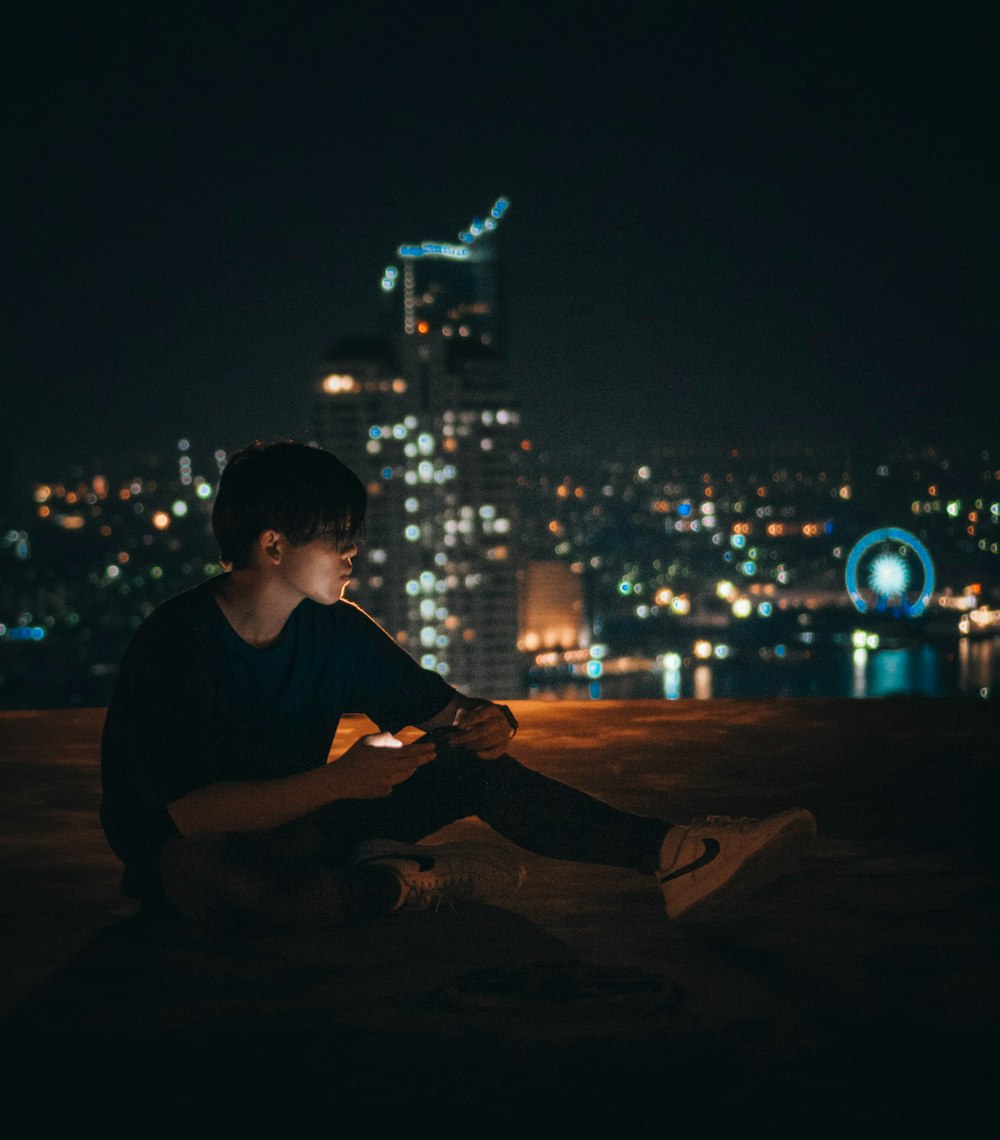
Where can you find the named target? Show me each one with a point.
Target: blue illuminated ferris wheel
(890, 571)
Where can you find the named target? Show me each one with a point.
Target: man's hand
(376, 763)
(369, 769)
(483, 730)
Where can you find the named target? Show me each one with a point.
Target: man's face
(319, 570)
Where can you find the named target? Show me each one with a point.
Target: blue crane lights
(448, 250)
(889, 572)
(434, 249)
(483, 225)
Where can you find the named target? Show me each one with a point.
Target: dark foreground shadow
(156, 1028)
(470, 1021)
(479, 1021)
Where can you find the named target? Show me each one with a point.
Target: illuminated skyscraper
(424, 414)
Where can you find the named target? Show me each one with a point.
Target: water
(952, 668)
(967, 668)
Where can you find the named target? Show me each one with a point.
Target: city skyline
(724, 225)
(687, 567)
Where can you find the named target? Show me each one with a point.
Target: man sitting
(219, 796)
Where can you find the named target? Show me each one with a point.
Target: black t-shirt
(194, 704)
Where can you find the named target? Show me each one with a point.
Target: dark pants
(298, 876)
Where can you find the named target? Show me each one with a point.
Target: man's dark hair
(301, 491)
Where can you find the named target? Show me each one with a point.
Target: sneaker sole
(776, 855)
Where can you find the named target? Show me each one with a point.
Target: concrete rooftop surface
(857, 995)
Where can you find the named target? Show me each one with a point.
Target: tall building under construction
(423, 412)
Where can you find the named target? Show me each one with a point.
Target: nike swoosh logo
(711, 851)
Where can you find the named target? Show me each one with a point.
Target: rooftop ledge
(857, 983)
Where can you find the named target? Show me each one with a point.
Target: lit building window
(335, 384)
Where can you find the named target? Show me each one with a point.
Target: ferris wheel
(890, 571)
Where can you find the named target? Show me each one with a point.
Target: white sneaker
(718, 857)
(446, 874)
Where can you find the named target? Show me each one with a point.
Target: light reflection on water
(969, 668)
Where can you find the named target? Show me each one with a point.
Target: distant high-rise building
(424, 414)
(551, 607)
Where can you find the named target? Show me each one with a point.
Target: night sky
(729, 221)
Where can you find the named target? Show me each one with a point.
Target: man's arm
(369, 769)
(481, 726)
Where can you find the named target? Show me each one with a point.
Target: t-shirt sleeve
(386, 684)
(162, 725)
(161, 741)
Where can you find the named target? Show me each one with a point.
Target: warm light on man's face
(319, 570)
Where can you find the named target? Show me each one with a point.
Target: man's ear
(271, 544)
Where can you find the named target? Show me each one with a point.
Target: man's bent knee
(225, 882)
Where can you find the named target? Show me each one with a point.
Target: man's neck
(253, 607)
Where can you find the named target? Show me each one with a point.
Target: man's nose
(349, 550)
